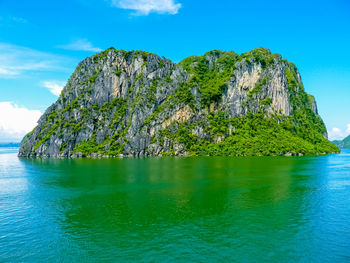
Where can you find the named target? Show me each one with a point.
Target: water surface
(201, 209)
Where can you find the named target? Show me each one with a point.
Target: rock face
(134, 103)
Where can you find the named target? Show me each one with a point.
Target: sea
(175, 209)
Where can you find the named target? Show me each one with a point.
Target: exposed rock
(181, 115)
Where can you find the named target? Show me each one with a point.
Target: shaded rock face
(125, 103)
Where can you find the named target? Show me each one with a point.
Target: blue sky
(41, 42)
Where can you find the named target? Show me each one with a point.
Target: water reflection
(125, 203)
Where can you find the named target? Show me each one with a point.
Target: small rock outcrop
(135, 103)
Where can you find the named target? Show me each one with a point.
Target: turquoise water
(203, 209)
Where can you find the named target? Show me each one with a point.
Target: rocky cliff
(135, 103)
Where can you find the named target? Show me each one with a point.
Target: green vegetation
(213, 70)
(114, 111)
(118, 72)
(211, 75)
(253, 135)
(303, 116)
(91, 146)
(161, 63)
(151, 98)
(88, 147)
(258, 87)
(143, 54)
(292, 80)
(47, 135)
(48, 129)
(93, 77)
(184, 95)
(139, 77)
(266, 101)
(263, 56)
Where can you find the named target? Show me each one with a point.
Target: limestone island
(135, 103)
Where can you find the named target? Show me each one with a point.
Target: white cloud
(17, 60)
(348, 129)
(81, 45)
(339, 134)
(4, 71)
(12, 21)
(20, 20)
(15, 122)
(145, 7)
(55, 87)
